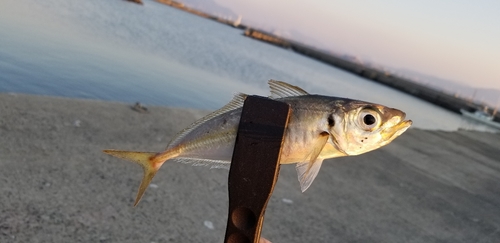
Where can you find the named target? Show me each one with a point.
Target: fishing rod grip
(254, 166)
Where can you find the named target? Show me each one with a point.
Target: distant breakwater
(136, 1)
(181, 6)
(445, 100)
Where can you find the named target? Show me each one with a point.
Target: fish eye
(369, 119)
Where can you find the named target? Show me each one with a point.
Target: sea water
(157, 55)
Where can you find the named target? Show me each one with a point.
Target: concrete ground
(57, 186)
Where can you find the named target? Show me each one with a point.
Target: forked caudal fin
(148, 163)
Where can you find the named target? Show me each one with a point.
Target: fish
(319, 127)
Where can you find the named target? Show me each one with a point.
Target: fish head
(365, 127)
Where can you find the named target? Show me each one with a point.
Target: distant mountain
(488, 96)
(211, 7)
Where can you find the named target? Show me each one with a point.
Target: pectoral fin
(307, 171)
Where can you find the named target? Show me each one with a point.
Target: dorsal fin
(280, 89)
(235, 103)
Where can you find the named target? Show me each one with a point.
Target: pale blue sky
(453, 39)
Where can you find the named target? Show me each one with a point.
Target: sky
(457, 40)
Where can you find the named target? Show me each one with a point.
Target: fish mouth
(396, 130)
(404, 125)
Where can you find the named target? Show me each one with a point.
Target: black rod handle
(254, 167)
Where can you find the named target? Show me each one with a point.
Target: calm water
(115, 50)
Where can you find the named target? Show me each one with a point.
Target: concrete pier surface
(57, 186)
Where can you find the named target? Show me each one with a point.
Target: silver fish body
(319, 127)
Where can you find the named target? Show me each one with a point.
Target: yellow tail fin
(148, 163)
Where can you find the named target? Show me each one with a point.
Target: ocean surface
(119, 51)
